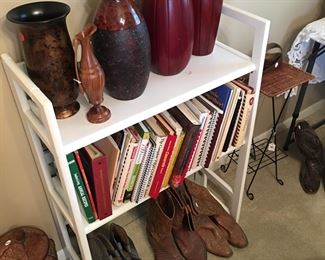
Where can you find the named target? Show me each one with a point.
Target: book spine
(136, 169)
(214, 139)
(191, 155)
(243, 120)
(184, 156)
(85, 180)
(160, 145)
(102, 189)
(80, 188)
(141, 175)
(173, 158)
(162, 166)
(147, 174)
(202, 142)
(209, 138)
(130, 158)
(232, 125)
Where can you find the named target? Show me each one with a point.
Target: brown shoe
(212, 236)
(207, 205)
(159, 228)
(189, 243)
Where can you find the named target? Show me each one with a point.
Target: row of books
(138, 161)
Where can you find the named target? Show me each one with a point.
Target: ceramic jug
(122, 47)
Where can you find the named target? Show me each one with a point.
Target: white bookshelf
(64, 136)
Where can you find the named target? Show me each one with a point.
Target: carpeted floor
(282, 222)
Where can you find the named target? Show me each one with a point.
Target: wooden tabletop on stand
(283, 78)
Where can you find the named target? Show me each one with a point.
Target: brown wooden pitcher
(90, 75)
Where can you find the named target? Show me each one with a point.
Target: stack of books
(142, 159)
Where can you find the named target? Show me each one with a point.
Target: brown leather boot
(159, 228)
(212, 236)
(206, 204)
(191, 246)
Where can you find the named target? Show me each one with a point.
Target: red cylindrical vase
(206, 22)
(170, 24)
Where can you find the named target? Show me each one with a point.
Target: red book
(165, 158)
(95, 165)
(84, 178)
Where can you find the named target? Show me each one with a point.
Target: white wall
(23, 200)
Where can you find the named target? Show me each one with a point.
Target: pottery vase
(90, 75)
(122, 47)
(48, 52)
(206, 23)
(170, 25)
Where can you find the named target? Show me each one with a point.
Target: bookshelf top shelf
(162, 92)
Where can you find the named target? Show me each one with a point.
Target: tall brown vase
(48, 52)
(90, 75)
(206, 23)
(122, 47)
(170, 25)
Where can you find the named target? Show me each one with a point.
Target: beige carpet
(282, 222)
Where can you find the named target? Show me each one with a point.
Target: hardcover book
(180, 134)
(95, 165)
(85, 180)
(165, 157)
(112, 152)
(227, 118)
(191, 126)
(80, 188)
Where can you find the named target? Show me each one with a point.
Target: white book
(214, 120)
(142, 173)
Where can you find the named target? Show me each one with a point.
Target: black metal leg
(249, 194)
(225, 168)
(295, 115)
(275, 143)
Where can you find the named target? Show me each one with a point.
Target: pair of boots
(187, 221)
(313, 168)
(112, 243)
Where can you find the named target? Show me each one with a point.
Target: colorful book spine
(80, 188)
(142, 173)
(95, 165)
(85, 180)
(162, 166)
(143, 133)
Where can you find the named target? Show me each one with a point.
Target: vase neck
(114, 15)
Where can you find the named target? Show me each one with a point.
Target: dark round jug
(122, 47)
(48, 52)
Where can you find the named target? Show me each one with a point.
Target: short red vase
(170, 24)
(206, 23)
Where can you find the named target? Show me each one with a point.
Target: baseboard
(284, 126)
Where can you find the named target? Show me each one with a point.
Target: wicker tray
(283, 78)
